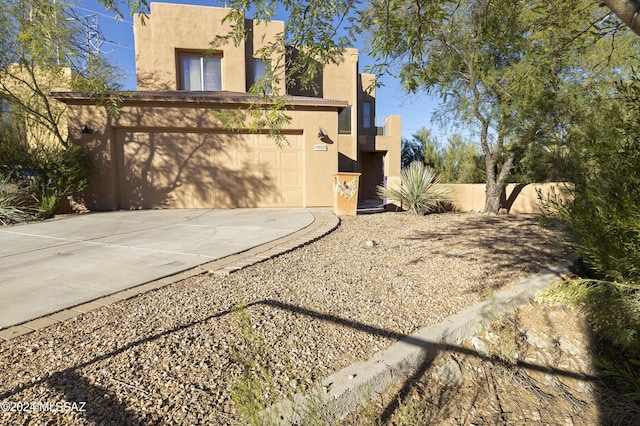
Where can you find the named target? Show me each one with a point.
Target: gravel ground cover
(171, 356)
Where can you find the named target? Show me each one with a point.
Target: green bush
(612, 309)
(48, 173)
(603, 222)
(418, 190)
(60, 172)
(15, 204)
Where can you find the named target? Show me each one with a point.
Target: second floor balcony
(378, 129)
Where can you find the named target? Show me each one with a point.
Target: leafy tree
(265, 9)
(462, 162)
(493, 63)
(431, 155)
(603, 220)
(571, 67)
(456, 162)
(44, 49)
(411, 150)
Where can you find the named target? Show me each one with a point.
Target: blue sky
(416, 110)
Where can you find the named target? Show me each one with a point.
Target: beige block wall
(522, 199)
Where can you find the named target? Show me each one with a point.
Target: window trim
(255, 79)
(186, 53)
(343, 130)
(367, 120)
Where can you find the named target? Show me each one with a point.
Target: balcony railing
(380, 128)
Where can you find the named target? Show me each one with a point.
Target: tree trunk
(627, 11)
(496, 181)
(492, 200)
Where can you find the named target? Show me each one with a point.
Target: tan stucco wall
(173, 27)
(19, 82)
(318, 165)
(392, 142)
(521, 199)
(340, 82)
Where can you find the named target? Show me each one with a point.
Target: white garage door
(186, 169)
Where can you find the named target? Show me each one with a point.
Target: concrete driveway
(49, 266)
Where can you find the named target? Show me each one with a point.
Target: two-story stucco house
(167, 149)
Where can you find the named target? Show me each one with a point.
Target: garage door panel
(291, 198)
(294, 142)
(206, 170)
(268, 160)
(290, 159)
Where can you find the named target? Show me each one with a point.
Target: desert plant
(58, 172)
(47, 172)
(603, 222)
(612, 309)
(628, 375)
(418, 190)
(15, 205)
(255, 389)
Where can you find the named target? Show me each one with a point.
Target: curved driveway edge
(50, 269)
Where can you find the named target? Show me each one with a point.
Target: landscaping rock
(174, 355)
(449, 373)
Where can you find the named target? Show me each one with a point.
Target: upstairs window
(260, 70)
(200, 72)
(367, 115)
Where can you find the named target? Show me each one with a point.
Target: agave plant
(418, 190)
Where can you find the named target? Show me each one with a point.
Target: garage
(206, 168)
(170, 150)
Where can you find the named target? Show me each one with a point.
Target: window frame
(367, 119)
(266, 66)
(343, 130)
(182, 54)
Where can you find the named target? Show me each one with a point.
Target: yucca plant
(418, 190)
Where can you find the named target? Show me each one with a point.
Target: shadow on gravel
(496, 240)
(77, 388)
(94, 402)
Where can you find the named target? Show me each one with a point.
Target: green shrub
(612, 309)
(255, 389)
(15, 204)
(48, 173)
(418, 191)
(603, 223)
(628, 375)
(59, 172)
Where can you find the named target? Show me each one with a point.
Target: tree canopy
(44, 48)
(510, 70)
